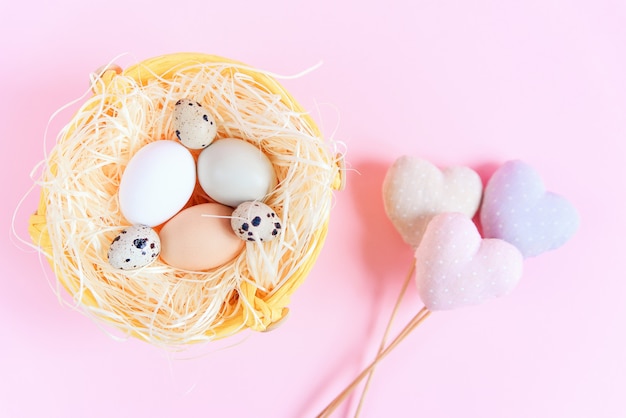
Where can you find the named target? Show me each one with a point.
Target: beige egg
(200, 238)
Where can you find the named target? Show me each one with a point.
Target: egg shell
(157, 183)
(256, 221)
(135, 247)
(200, 238)
(232, 171)
(193, 125)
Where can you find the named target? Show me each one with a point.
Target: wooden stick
(414, 323)
(383, 342)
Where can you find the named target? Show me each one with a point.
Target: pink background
(457, 82)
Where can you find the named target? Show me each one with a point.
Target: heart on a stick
(455, 267)
(518, 209)
(414, 191)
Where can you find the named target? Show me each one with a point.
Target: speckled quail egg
(135, 247)
(193, 125)
(255, 221)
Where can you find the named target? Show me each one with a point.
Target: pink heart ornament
(518, 209)
(414, 191)
(455, 267)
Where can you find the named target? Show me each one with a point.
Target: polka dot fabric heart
(432, 210)
(414, 190)
(518, 209)
(455, 267)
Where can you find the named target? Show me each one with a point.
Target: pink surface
(458, 84)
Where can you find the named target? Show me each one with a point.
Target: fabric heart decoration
(518, 209)
(414, 191)
(455, 267)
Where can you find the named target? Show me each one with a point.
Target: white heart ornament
(414, 191)
(455, 267)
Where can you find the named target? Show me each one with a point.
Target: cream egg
(200, 238)
(157, 183)
(232, 171)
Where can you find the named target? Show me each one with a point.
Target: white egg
(232, 171)
(157, 182)
(135, 247)
(255, 221)
(193, 125)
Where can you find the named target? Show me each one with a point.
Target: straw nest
(79, 214)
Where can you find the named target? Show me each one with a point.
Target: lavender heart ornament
(455, 267)
(517, 208)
